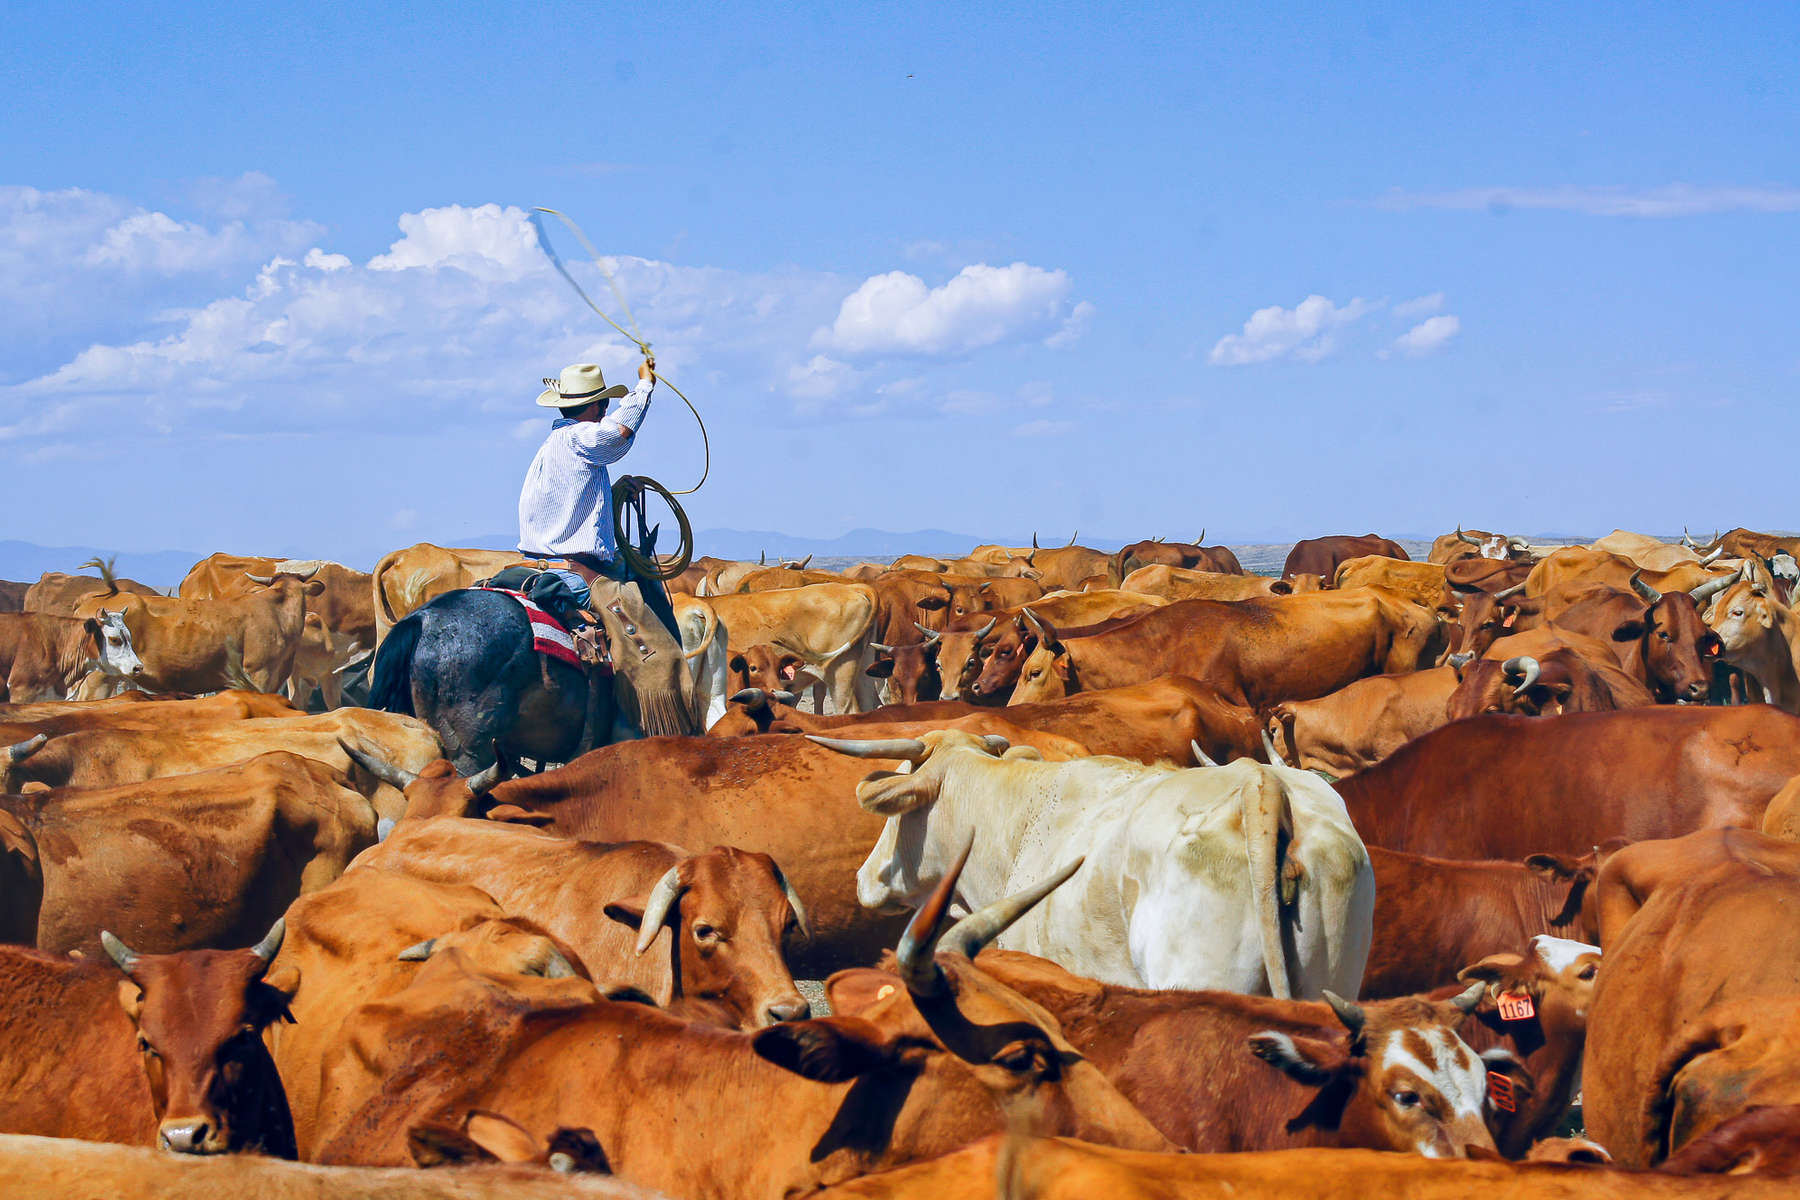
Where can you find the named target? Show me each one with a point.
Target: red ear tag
(1510, 618)
(1516, 1006)
(1500, 1091)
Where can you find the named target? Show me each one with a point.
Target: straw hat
(579, 384)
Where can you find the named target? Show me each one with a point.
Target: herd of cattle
(1446, 859)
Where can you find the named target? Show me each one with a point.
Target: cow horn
(762, 558)
(1518, 543)
(1523, 668)
(1708, 558)
(25, 749)
(1509, 593)
(1157, 540)
(123, 956)
(270, 945)
(380, 768)
(912, 956)
(1200, 755)
(931, 635)
(1275, 759)
(1687, 539)
(265, 580)
(1713, 587)
(1463, 537)
(751, 698)
(1202, 538)
(995, 743)
(656, 908)
(911, 749)
(418, 951)
(1643, 589)
(1348, 1011)
(986, 629)
(788, 698)
(982, 926)
(1072, 538)
(793, 899)
(881, 647)
(483, 781)
(1037, 623)
(801, 565)
(1034, 544)
(985, 587)
(1469, 997)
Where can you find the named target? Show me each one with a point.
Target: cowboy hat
(578, 384)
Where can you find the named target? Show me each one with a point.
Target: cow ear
(131, 999)
(1558, 868)
(889, 795)
(881, 668)
(314, 587)
(626, 912)
(1305, 1060)
(506, 1140)
(1499, 970)
(283, 980)
(577, 1149)
(737, 662)
(512, 814)
(1630, 631)
(1061, 664)
(435, 1144)
(852, 992)
(934, 602)
(825, 1049)
(91, 625)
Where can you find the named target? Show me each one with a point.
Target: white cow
(1187, 882)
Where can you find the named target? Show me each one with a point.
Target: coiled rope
(629, 492)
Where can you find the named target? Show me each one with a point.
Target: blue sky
(265, 283)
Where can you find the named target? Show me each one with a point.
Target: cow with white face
(1188, 882)
(116, 656)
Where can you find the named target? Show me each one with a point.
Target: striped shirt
(566, 504)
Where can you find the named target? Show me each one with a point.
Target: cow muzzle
(192, 1135)
(792, 1007)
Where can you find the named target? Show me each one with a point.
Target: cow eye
(145, 1046)
(1664, 636)
(1406, 1099)
(704, 932)
(1023, 1058)
(1588, 972)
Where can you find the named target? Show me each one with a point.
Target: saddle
(563, 597)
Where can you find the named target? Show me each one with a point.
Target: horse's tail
(390, 680)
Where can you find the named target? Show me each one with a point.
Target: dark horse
(465, 666)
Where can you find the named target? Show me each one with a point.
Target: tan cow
(44, 656)
(413, 577)
(58, 593)
(1178, 583)
(827, 625)
(209, 645)
(1420, 582)
(1361, 723)
(1652, 554)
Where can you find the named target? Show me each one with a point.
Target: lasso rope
(632, 333)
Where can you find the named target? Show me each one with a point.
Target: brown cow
(1361, 723)
(1506, 787)
(43, 656)
(1477, 544)
(771, 579)
(208, 859)
(411, 578)
(137, 710)
(1188, 1060)
(12, 595)
(771, 668)
(1158, 721)
(207, 645)
(1434, 916)
(706, 1113)
(964, 641)
(1682, 1042)
(1322, 556)
(57, 593)
(725, 912)
(166, 1053)
(1761, 635)
(1173, 583)
(1253, 652)
(1562, 569)
(1543, 672)
(1186, 556)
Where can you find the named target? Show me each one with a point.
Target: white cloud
(897, 313)
(1428, 335)
(1308, 332)
(318, 260)
(1043, 428)
(820, 378)
(488, 242)
(1420, 306)
(1667, 200)
(1080, 317)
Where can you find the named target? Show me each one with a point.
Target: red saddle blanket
(547, 635)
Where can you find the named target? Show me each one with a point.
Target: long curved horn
(1348, 1011)
(803, 562)
(380, 768)
(986, 629)
(23, 750)
(1643, 589)
(1037, 623)
(1524, 668)
(912, 956)
(881, 648)
(1201, 540)
(1687, 539)
(1509, 593)
(1072, 538)
(418, 951)
(1034, 544)
(982, 926)
(265, 580)
(1469, 997)
(1713, 587)
(483, 781)
(270, 945)
(1275, 759)
(1706, 560)
(123, 956)
(1463, 537)
(1200, 755)
(911, 749)
(931, 635)
(656, 908)
(793, 899)
(751, 698)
